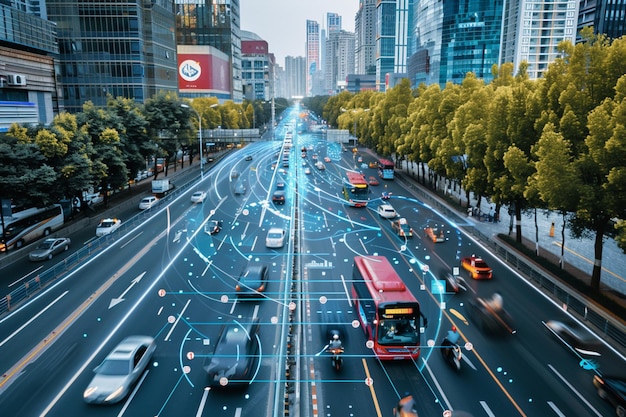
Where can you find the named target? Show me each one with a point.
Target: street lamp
(199, 135)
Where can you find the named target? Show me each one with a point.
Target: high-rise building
(256, 64)
(295, 76)
(114, 49)
(607, 17)
(200, 25)
(28, 45)
(531, 32)
(392, 17)
(312, 56)
(339, 60)
(365, 38)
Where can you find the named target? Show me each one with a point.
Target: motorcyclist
(335, 344)
(453, 336)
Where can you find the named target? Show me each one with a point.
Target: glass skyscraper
(112, 48)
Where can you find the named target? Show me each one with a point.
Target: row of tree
(104, 148)
(557, 143)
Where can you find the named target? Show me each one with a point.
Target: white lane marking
(487, 409)
(571, 387)
(345, 289)
(24, 277)
(33, 318)
(132, 395)
(441, 393)
(555, 409)
(177, 320)
(205, 395)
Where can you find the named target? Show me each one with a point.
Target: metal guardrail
(574, 302)
(34, 285)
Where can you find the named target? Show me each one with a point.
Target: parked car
(198, 197)
(120, 370)
(387, 211)
(477, 267)
(278, 197)
(252, 282)
(147, 202)
(235, 360)
(275, 237)
(49, 247)
(108, 226)
(613, 390)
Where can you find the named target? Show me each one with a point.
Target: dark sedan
(235, 360)
(252, 281)
(49, 247)
(278, 197)
(613, 390)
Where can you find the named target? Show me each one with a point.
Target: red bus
(385, 169)
(389, 313)
(356, 189)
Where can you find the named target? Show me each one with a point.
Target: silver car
(49, 247)
(120, 370)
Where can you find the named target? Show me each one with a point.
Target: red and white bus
(389, 313)
(385, 169)
(356, 189)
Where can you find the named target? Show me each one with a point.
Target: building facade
(112, 49)
(312, 55)
(214, 23)
(339, 60)
(255, 66)
(365, 38)
(295, 76)
(28, 47)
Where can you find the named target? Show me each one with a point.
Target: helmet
(335, 336)
(453, 328)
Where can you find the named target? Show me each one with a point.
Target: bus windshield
(356, 189)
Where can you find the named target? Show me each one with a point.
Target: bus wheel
(46, 232)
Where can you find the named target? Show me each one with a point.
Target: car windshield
(480, 263)
(108, 223)
(114, 367)
(46, 244)
(275, 235)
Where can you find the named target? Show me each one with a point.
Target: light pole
(199, 135)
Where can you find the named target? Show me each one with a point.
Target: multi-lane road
(169, 279)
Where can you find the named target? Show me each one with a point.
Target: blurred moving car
(108, 226)
(49, 247)
(613, 390)
(147, 202)
(252, 281)
(240, 188)
(489, 314)
(402, 228)
(477, 267)
(405, 407)
(575, 336)
(373, 164)
(275, 238)
(120, 370)
(198, 197)
(278, 197)
(454, 283)
(387, 211)
(372, 180)
(235, 360)
(212, 227)
(435, 234)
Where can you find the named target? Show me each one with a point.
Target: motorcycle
(335, 349)
(385, 195)
(451, 351)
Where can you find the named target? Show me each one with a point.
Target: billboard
(203, 69)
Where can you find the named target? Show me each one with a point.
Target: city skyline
(286, 37)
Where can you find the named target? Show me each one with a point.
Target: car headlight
(114, 394)
(89, 392)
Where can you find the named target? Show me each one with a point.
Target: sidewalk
(578, 253)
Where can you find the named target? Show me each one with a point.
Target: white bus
(29, 225)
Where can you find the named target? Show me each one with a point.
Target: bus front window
(398, 332)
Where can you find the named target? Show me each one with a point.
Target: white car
(108, 226)
(198, 197)
(387, 211)
(275, 238)
(147, 202)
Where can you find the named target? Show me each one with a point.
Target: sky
(282, 23)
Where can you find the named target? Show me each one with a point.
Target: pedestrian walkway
(579, 253)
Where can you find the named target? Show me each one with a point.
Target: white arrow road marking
(116, 301)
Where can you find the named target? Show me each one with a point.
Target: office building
(607, 17)
(295, 77)
(339, 60)
(365, 38)
(28, 46)
(203, 27)
(312, 57)
(256, 63)
(113, 49)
